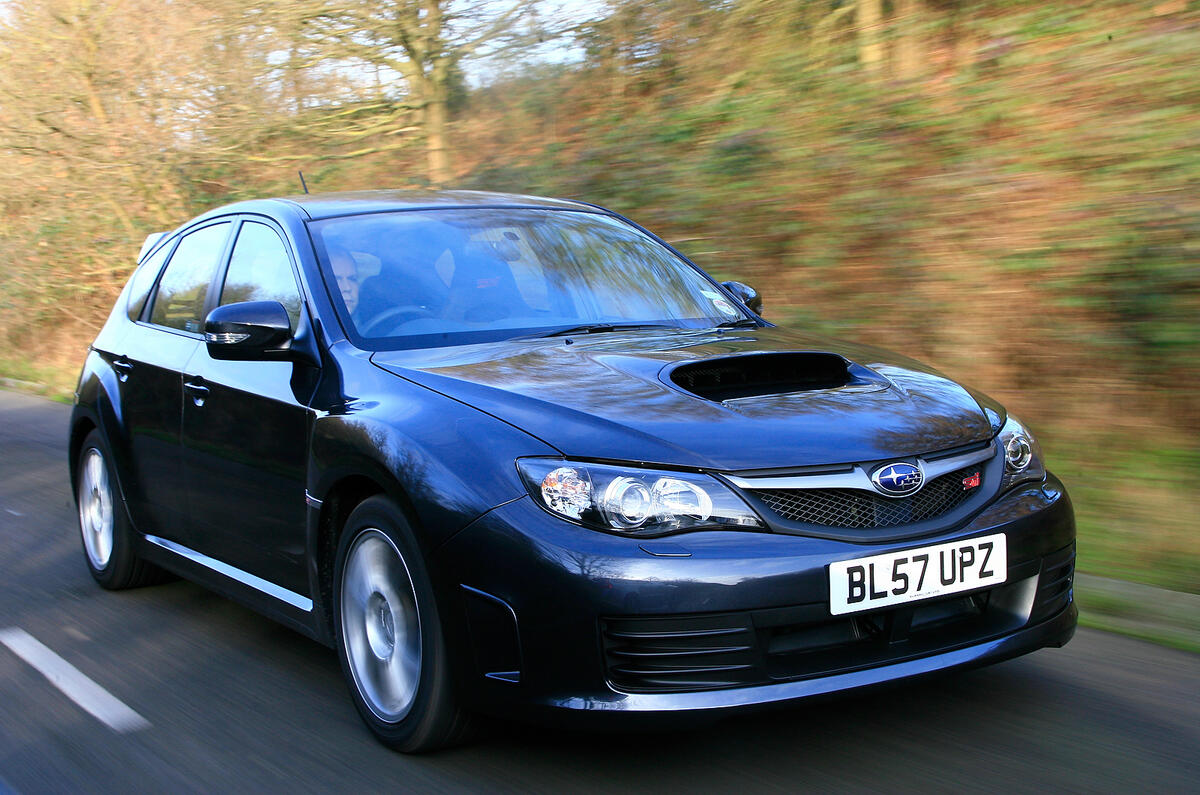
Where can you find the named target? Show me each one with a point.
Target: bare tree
(93, 104)
(103, 107)
(419, 43)
(91, 88)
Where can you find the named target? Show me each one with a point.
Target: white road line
(104, 706)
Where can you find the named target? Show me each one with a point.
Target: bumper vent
(680, 653)
(857, 509)
(1055, 584)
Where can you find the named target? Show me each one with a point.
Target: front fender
(450, 462)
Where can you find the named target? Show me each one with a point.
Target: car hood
(611, 396)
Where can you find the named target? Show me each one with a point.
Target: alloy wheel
(381, 629)
(96, 509)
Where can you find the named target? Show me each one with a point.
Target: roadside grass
(1137, 505)
(26, 375)
(1167, 618)
(1093, 620)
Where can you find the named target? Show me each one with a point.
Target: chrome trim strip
(312, 501)
(858, 478)
(944, 466)
(245, 578)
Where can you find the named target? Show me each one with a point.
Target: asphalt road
(236, 703)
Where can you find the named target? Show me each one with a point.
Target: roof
(328, 205)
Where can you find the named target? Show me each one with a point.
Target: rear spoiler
(152, 240)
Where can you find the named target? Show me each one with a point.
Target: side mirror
(746, 294)
(248, 331)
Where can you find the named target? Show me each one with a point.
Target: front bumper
(554, 620)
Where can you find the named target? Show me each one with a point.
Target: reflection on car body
(518, 456)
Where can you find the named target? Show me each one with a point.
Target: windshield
(452, 277)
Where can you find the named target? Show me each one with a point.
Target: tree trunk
(435, 138)
(909, 52)
(870, 34)
(436, 93)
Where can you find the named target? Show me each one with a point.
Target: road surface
(231, 702)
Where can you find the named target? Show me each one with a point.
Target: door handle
(123, 367)
(197, 390)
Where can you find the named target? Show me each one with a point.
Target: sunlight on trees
(419, 43)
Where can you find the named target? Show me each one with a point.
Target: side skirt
(287, 607)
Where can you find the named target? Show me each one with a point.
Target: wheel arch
(81, 426)
(97, 407)
(342, 497)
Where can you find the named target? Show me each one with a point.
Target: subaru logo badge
(898, 480)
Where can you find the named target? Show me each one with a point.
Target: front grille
(857, 509)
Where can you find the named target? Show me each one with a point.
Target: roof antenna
(303, 184)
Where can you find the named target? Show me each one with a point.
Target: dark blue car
(518, 456)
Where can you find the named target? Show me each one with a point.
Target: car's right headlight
(1022, 454)
(632, 501)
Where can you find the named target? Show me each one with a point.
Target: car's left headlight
(1022, 454)
(632, 501)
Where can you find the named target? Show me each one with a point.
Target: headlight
(1022, 455)
(633, 501)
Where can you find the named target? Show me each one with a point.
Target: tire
(389, 636)
(104, 527)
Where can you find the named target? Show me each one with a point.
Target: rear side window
(179, 302)
(260, 270)
(143, 280)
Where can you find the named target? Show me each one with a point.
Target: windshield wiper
(595, 328)
(743, 322)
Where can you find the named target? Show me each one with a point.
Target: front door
(245, 432)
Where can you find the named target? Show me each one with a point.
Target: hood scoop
(763, 374)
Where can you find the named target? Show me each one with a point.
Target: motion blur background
(1009, 190)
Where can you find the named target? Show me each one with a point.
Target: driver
(345, 270)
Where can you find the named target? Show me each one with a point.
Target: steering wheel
(408, 311)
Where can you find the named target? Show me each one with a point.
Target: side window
(143, 279)
(179, 302)
(260, 270)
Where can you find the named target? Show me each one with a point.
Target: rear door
(154, 352)
(246, 428)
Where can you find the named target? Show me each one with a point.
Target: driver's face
(346, 272)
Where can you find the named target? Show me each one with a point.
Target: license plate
(916, 574)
